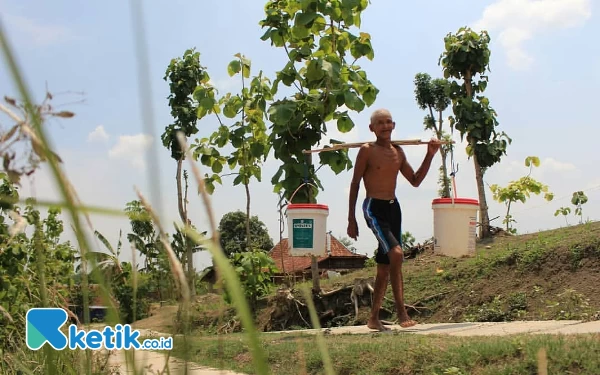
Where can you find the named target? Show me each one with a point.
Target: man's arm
(415, 178)
(359, 169)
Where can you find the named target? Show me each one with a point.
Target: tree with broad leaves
(143, 235)
(322, 54)
(579, 198)
(184, 75)
(466, 56)
(147, 241)
(563, 211)
(433, 95)
(248, 135)
(107, 263)
(520, 190)
(234, 238)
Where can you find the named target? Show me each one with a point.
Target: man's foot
(407, 323)
(377, 324)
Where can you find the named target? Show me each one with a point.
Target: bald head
(382, 112)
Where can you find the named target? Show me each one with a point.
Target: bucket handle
(297, 189)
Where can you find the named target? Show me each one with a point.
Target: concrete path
(154, 362)
(147, 362)
(473, 329)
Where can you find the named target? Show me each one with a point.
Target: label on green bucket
(302, 233)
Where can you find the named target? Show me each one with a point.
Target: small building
(338, 259)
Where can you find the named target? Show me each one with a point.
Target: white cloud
(131, 148)
(556, 165)
(41, 34)
(227, 84)
(98, 134)
(518, 21)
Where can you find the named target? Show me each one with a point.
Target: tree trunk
(190, 267)
(182, 212)
(446, 183)
(507, 217)
(184, 219)
(484, 229)
(248, 240)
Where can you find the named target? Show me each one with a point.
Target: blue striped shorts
(384, 218)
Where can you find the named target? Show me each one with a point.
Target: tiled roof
(298, 263)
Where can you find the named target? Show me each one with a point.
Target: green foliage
(248, 135)
(408, 241)
(106, 263)
(570, 305)
(467, 56)
(255, 270)
(500, 309)
(19, 279)
(434, 95)
(431, 94)
(132, 309)
(143, 235)
(565, 211)
(579, 198)
(520, 190)
(317, 39)
(116, 277)
(370, 262)
(147, 241)
(233, 233)
(444, 181)
(180, 244)
(184, 75)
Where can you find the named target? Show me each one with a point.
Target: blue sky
(545, 68)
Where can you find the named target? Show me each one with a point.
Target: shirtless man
(378, 164)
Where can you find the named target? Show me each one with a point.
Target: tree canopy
(232, 229)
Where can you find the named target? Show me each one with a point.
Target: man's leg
(381, 281)
(396, 258)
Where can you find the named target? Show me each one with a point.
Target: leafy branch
(433, 95)
(248, 135)
(520, 190)
(315, 34)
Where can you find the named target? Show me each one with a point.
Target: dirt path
(155, 362)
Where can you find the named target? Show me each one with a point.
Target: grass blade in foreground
(234, 287)
(41, 140)
(314, 319)
(225, 268)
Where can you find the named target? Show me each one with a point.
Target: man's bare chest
(385, 160)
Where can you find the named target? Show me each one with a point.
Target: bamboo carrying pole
(341, 146)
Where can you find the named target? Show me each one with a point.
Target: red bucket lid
(456, 201)
(313, 206)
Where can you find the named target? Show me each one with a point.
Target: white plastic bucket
(454, 226)
(307, 229)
